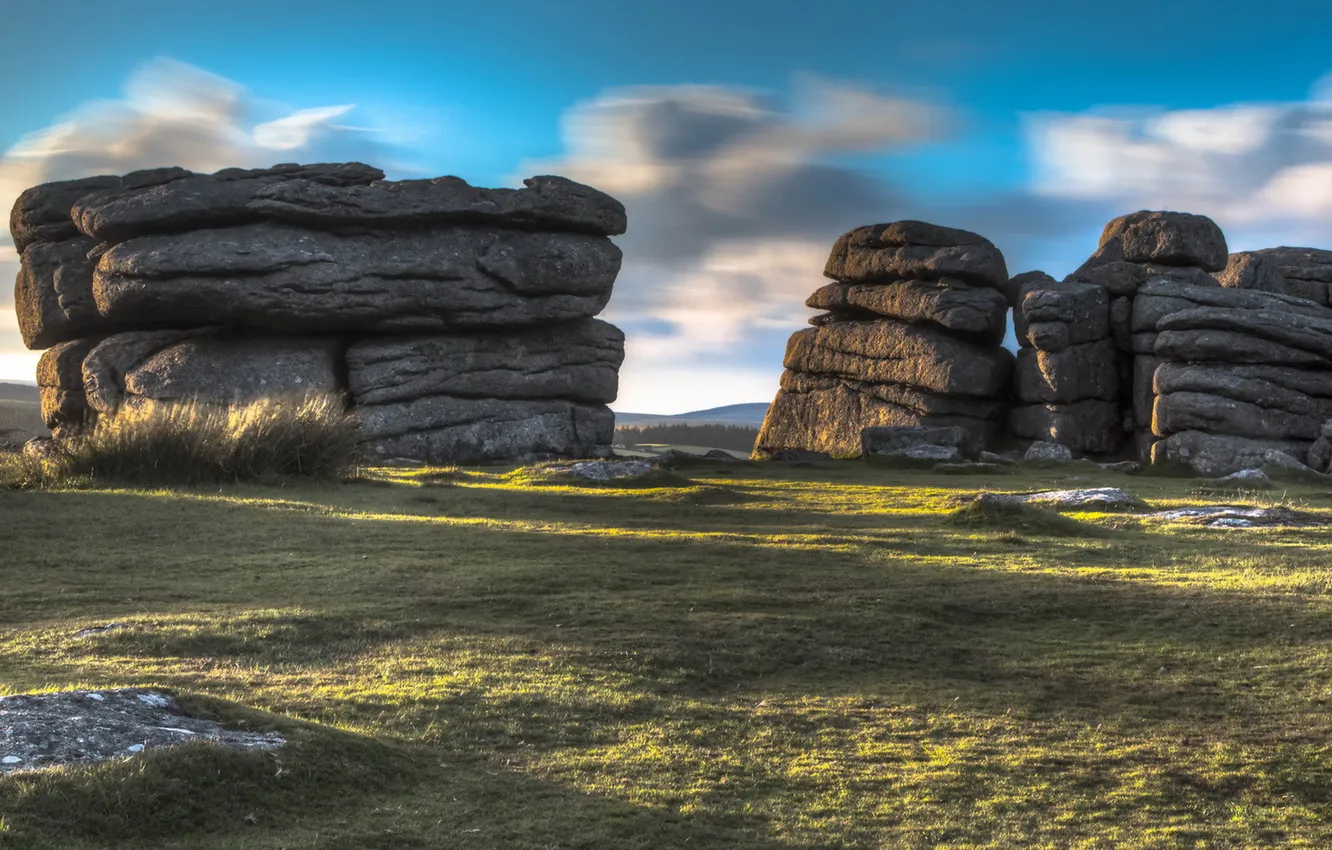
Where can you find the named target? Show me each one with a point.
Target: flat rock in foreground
(293, 280)
(83, 727)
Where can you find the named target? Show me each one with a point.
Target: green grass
(749, 656)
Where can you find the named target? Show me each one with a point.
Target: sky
(742, 137)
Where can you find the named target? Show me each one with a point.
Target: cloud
(171, 114)
(1262, 171)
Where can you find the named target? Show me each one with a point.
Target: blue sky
(743, 137)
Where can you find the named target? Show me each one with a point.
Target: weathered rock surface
(911, 399)
(1085, 371)
(1307, 271)
(1283, 328)
(914, 250)
(1044, 450)
(292, 280)
(578, 361)
(443, 429)
(199, 201)
(208, 366)
(1168, 238)
(1145, 367)
(1161, 298)
(42, 213)
(1301, 391)
(952, 305)
(64, 404)
(1073, 314)
(1192, 411)
(548, 203)
(53, 294)
(891, 352)
(1021, 286)
(1250, 270)
(1090, 426)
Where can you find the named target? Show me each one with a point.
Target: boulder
(447, 430)
(1090, 426)
(914, 250)
(888, 351)
(1089, 370)
(199, 201)
(1231, 347)
(974, 312)
(42, 213)
(1168, 238)
(291, 280)
(1123, 279)
(1070, 315)
(1293, 330)
(1214, 455)
(1042, 450)
(1250, 270)
(208, 365)
(579, 361)
(1192, 411)
(1161, 298)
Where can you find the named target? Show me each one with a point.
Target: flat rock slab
(291, 280)
(1092, 498)
(83, 727)
(578, 361)
(42, 213)
(968, 311)
(601, 470)
(53, 294)
(915, 250)
(1075, 313)
(1158, 299)
(1237, 516)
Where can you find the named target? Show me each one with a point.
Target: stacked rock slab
(1243, 372)
(911, 335)
(1135, 250)
(457, 320)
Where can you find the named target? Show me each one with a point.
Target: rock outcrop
(458, 321)
(910, 337)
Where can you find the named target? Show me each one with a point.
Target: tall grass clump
(197, 442)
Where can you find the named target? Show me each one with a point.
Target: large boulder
(1177, 412)
(208, 365)
(887, 351)
(446, 430)
(1306, 271)
(1020, 286)
(975, 312)
(1168, 238)
(1301, 391)
(915, 250)
(578, 362)
(912, 399)
(1290, 330)
(293, 280)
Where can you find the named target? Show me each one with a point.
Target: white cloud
(1257, 169)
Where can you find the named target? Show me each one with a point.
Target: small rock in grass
(604, 470)
(1042, 450)
(1128, 467)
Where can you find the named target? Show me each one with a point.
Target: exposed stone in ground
(602, 470)
(81, 727)
(1042, 450)
(1095, 498)
(1236, 516)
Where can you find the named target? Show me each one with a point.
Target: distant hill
(13, 391)
(732, 414)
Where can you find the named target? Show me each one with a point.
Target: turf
(750, 656)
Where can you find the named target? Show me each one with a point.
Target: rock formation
(911, 336)
(457, 320)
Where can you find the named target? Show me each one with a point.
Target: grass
(194, 442)
(816, 656)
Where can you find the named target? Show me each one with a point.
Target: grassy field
(745, 656)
